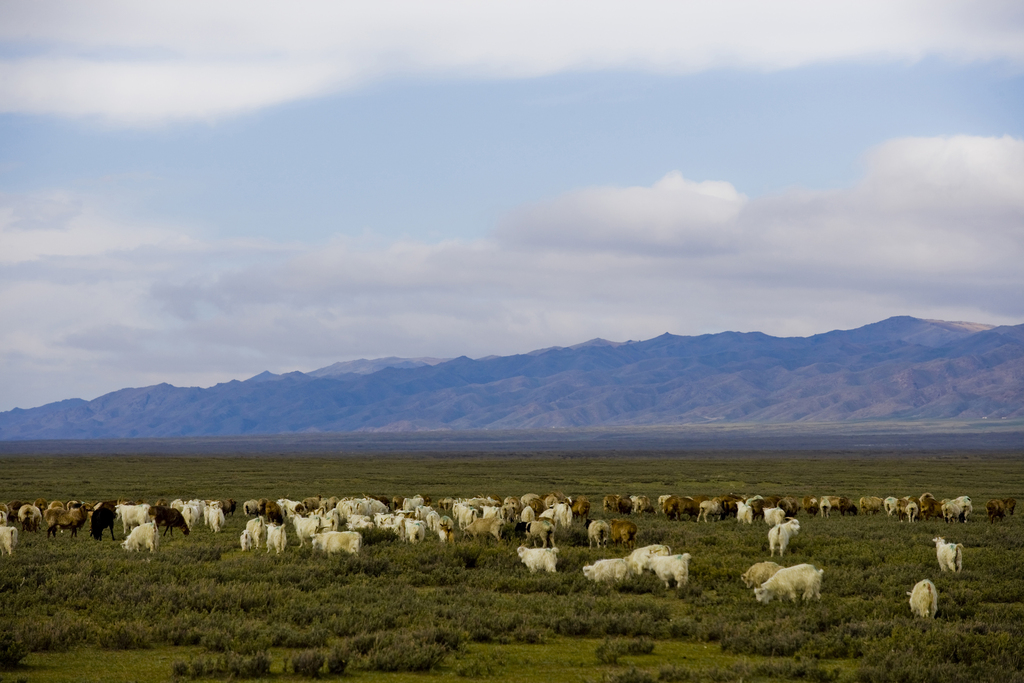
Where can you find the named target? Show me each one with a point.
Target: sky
(192, 192)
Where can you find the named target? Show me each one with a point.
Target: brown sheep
(271, 511)
(611, 503)
(30, 517)
(228, 506)
(168, 518)
(675, 507)
(581, 508)
(846, 506)
(996, 510)
(1011, 504)
(488, 525)
(810, 504)
(872, 504)
(789, 505)
(625, 505)
(624, 532)
(930, 507)
(59, 518)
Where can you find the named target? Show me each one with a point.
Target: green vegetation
(200, 609)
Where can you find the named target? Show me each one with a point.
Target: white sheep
(913, 511)
(951, 555)
(357, 522)
(779, 535)
(890, 505)
(786, 583)
(966, 506)
(744, 513)
(8, 539)
(610, 571)
(277, 538)
(924, 600)
(638, 558)
(759, 573)
(541, 529)
(773, 516)
(599, 531)
(132, 515)
(951, 511)
(670, 567)
(539, 559)
(825, 507)
(257, 531)
(710, 508)
(415, 531)
(338, 541)
(142, 536)
(306, 527)
(245, 540)
(215, 518)
(527, 515)
(562, 515)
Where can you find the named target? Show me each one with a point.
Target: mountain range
(902, 368)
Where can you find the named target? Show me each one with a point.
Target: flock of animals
(334, 525)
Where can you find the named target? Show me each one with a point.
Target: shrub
(308, 663)
(337, 659)
(609, 651)
(11, 650)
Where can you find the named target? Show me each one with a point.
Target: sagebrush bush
(308, 663)
(12, 651)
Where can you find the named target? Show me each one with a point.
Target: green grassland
(200, 609)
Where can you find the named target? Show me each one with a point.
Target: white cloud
(935, 229)
(142, 63)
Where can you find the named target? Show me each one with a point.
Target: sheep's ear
(909, 593)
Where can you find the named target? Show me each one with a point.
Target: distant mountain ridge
(899, 368)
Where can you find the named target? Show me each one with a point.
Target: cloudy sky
(192, 192)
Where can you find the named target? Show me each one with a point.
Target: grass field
(201, 609)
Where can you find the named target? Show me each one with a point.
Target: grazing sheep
(598, 531)
(543, 559)
(1010, 504)
(675, 507)
(332, 542)
(996, 510)
(773, 516)
(952, 512)
(812, 505)
(215, 518)
(483, 527)
(277, 538)
(710, 508)
(8, 539)
(951, 555)
(913, 511)
(251, 507)
(638, 558)
(102, 518)
(966, 506)
(527, 515)
(872, 504)
(610, 571)
(306, 527)
(744, 513)
(562, 515)
(624, 532)
(542, 530)
(924, 600)
(581, 508)
(825, 505)
(272, 512)
(60, 519)
(446, 530)
(30, 517)
(759, 573)
(257, 531)
(142, 536)
(671, 567)
(246, 541)
(787, 582)
(415, 531)
(780, 534)
(168, 518)
(890, 505)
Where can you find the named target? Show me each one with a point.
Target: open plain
(199, 608)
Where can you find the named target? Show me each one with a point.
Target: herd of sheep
(334, 525)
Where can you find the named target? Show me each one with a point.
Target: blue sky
(193, 195)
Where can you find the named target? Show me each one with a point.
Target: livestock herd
(334, 525)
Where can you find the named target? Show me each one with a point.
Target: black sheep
(103, 518)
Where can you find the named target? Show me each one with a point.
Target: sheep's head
(763, 595)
